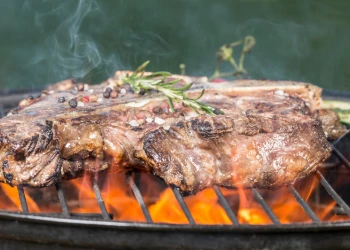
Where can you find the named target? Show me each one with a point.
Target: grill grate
(344, 207)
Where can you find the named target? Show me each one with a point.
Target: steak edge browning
(236, 151)
(34, 162)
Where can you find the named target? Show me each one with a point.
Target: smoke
(46, 41)
(84, 46)
(68, 51)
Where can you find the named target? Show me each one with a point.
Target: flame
(163, 207)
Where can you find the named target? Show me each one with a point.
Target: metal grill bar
(62, 199)
(340, 138)
(139, 198)
(22, 199)
(333, 193)
(183, 205)
(303, 204)
(225, 205)
(100, 201)
(341, 157)
(263, 204)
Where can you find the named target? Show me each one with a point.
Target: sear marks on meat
(330, 123)
(35, 159)
(264, 151)
(269, 136)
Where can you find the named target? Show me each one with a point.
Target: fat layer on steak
(270, 135)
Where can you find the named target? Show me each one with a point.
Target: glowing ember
(164, 208)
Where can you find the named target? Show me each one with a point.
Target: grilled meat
(264, 151)
(267, 138)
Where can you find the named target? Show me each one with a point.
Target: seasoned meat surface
(269, 136)
(266, 151)
(330, 123)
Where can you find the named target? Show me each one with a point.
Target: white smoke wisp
(69, 51)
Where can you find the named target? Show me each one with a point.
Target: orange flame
(164, 208)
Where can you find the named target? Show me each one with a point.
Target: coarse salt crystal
(149, 120)
(86, 86)
(166, 127)
(159, 121)
(92, 136)
(100, 99)
(133, 123)
(91, 91)
(9, 114)
(80, 104)
(239, 102)
(279, 92)
(51, 92)
(123, 91)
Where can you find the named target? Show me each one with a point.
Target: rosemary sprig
(140, 83)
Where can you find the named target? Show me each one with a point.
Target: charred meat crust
(38, 157)
(188, 156)
(330, 123)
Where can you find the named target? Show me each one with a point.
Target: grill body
(37, 231)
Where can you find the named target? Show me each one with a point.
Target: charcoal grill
(25, 230)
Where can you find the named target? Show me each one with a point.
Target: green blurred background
(42, 42)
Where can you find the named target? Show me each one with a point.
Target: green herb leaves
(156, 81)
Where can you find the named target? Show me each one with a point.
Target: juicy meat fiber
(238, 150)
(270, 135)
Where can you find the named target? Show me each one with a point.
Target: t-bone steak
(270, 135)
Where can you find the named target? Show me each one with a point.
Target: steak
(266, 151)
(269, 136)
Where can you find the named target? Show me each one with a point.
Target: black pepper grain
(73, 103)
(61, 99)
(142, 91)
(158, 110)
(107, 94)
(217, 111)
